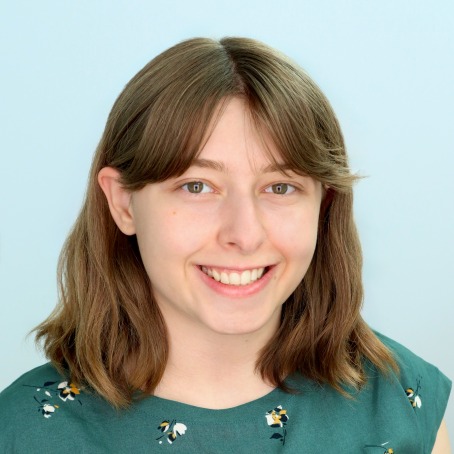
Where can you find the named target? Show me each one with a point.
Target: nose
(242, 225)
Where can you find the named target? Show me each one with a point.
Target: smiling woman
(215, 269)
(233, 224)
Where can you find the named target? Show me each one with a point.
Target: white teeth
(245, 277)
(207, 271)
(254, 275)
(235, 278)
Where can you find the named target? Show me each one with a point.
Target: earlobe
(118, 198)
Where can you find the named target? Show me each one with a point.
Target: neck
(212, 370)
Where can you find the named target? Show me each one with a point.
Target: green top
(42, 412)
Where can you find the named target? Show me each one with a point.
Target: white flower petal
(269, 419)
(418, 401)
(180, 428)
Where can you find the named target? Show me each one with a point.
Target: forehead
(234, 140)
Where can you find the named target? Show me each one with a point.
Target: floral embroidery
(47, 410)
(413, 394)
(171, 430)
(382, 446)
(67, 392)
(278, 418)
(49, 391)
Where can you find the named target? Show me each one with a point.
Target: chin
(245, 327)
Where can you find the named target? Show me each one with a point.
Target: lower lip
(237, 291)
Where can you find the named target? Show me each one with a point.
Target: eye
(280, 189)
(196, 187)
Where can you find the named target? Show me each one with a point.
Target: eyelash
(268, 189)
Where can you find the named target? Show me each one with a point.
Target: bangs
(160, 121)
(171, 140)
(307, 136)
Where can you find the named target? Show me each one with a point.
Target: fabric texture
(43, 412)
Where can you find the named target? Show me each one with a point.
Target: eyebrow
(220, 166)
(209, 164)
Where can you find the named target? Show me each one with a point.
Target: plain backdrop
(386, 66)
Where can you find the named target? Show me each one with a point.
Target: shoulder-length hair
(107, 330)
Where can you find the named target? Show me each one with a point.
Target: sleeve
(427, 390)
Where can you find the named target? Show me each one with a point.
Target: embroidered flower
(67, 391)
(48, 410)
(278, 418)
(49, 391)
(171, 430)
(413, 394)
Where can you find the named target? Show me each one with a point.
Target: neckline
(189, 407)
(174, 409)
(269, 401)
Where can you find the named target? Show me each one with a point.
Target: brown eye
(280, 188)
(196, 187)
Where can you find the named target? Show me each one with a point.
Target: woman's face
(227, 242)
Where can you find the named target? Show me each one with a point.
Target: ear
(118, 198)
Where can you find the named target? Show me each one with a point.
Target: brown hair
(107, 329)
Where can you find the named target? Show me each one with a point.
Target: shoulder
(29, 389)
(413, 366)
(426, 388)
(35, 397)
(34, 378)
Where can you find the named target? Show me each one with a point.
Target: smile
(237, 278)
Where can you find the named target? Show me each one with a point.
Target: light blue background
(387, 67)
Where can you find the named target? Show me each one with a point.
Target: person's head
(174, 116)
(227, 242)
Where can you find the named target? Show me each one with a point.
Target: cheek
(169, 235)
(296, 233)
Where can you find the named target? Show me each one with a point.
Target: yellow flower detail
(74, 389)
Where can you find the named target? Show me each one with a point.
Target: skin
(236, 222)
(442, 445)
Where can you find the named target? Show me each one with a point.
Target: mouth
(235, 277)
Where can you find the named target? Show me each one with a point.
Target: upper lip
(235, 268)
